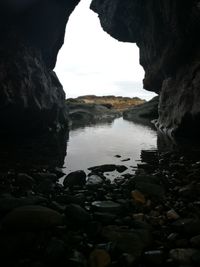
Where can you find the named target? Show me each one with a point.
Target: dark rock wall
(168, 35)
(31, 34)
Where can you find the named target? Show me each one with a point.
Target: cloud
(92, 62)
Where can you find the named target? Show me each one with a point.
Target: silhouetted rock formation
(31, 33)
(143, 113)
(167, 33)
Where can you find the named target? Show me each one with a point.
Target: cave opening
(93, 63)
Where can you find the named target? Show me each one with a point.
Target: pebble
(99, 258)
(172, 215)
(106, 206)
(138, 197)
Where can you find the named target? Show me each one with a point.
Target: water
(98, 144)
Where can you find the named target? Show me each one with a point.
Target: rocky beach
(150, 218)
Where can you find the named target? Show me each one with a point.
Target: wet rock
(94, 181)
(77, 215)
(31, 218)
(138, 197)
(182, 255)
(121, 168)
(172, 215)
(128, 241)
(77, 260)
(99, 258)
(150, 189)
(103, 168)
(155, 257)
(195, 241)
(106, 206)
(76, 178)
(138, 217)
(186, 191)
(127, 159)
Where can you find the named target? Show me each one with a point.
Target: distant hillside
(110, 101)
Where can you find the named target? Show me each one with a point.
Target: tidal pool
(99, 144)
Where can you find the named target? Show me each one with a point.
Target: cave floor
(151, 218)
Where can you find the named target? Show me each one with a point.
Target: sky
(92, 62)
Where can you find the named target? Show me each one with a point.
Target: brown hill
(110, 101)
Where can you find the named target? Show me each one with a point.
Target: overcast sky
(92, 62)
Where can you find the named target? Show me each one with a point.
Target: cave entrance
(93, 63)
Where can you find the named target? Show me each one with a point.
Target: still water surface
(98, 144)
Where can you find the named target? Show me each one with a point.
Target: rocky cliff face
(167, 33)
(31, 34)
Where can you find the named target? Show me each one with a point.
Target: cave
(32, 33)
(148, 218)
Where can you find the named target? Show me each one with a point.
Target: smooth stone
(182, 255)
(99, 258)
(121, 168)
(154, 257)
(77, 260)
(76, 178)
(106, 206)
(138, 217)
(103, 168)
(186, 191)
(76, 214)
(127, 159)
(195, 241)
(94, 181)
(32, 218)
(138, 197)
(172, 215)
(150, 189)
(132, 242)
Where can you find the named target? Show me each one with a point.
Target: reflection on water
(44, 151)
(98, 144)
